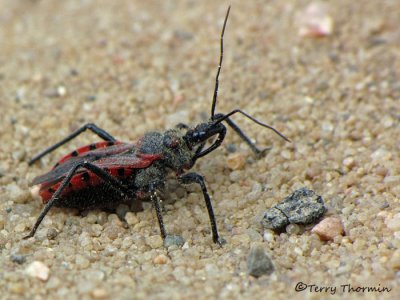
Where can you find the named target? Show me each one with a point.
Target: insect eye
(171, 142)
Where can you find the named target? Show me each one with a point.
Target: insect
(106, 173)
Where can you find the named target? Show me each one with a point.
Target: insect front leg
(89, 126)
(245, 138)
(221, 131)
(197, 178)
(108, 179)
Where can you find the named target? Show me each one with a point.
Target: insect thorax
(173, 149)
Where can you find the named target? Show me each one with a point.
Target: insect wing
(136, 161)
(100, 147)
(61, 169)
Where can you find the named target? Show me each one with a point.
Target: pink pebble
(328, 228)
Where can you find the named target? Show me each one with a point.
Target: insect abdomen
(84, 180)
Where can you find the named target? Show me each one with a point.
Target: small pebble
(236, 161)
(392, 181)
(17, 194)
(269, 235)
(112, 232)
(313, 172)
(19, 155)
(34, 191)
(173, 240)
(160, 259)
(38, 270)
(393, 222)
(20, 227)
(255, 192)
(90, 98)
(96, 230)
(235, 176)
(231, 148)
(292, 229)
(328, 228)
(99, 293)
(52, 233)
(131, 218)
(394, 261)
(154, 241)
(55, 92)
(349, 162)
(18, 258)
(82, 262)
(53, 283)
(314, 21)
(258, 263)
(16, 288)
(381, 171)
(381, 155)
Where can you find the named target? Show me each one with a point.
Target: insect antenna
(214, 102)
(224, 117)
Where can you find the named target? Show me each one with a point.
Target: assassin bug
(104, 174)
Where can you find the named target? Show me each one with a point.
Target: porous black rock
(302, 207)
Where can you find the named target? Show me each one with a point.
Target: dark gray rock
(302, 207)
(18, 258)
(258, 262)
(274, 219)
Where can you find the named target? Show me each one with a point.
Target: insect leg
(156, 203)
(199, 149)
(244, 137)
(197, 178)
(216, 144)
(92, 127)
(116, 184)
(221, 117)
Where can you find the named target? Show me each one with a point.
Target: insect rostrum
(106, 173)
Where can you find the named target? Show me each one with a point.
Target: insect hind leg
(89, 126)
(114, 183)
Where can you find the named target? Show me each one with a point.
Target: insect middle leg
(92, 127)
(108, 179)
(197, 178)
(157, 206)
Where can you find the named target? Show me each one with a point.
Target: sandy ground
(135, 66)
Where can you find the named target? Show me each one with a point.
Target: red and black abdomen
(86, 189)
(86, 186)
(100, 196)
